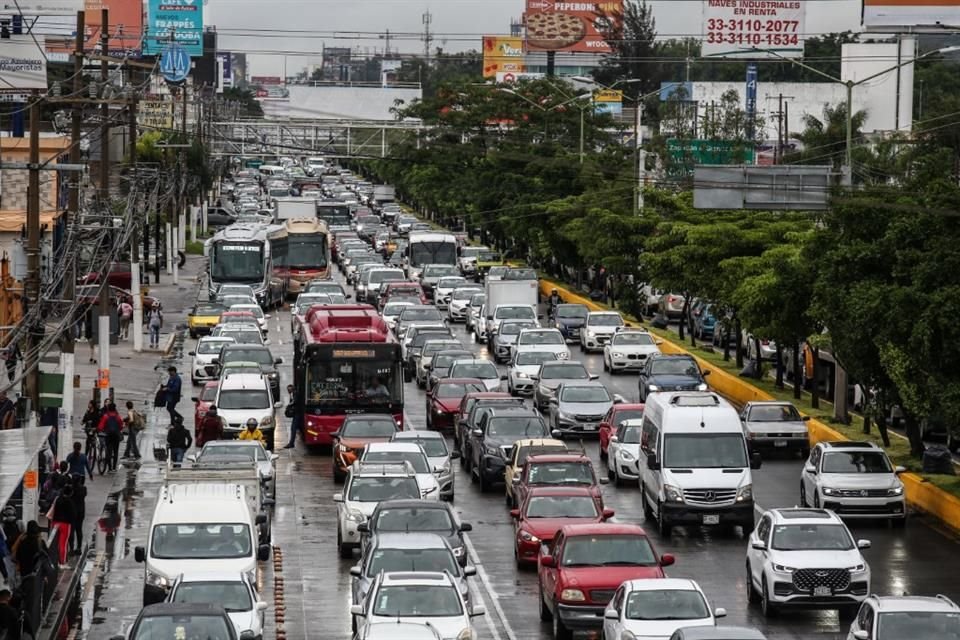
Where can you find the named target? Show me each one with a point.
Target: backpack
(138, 423)
(113, 426)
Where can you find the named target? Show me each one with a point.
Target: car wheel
(647, 511)
(612, 475)
(353, 624)
(545, 614)
(337, 475)
(848, 612)
(484, 483)
(560, 630)
(606, 367)
(816, 499)
(603, 453)
(429, 420)
(751, 592)
(193, 334)
(194, 381)
(898, 523)
(344, 550)
(768, 607)
(663, 525)
(803, 495)
(509, 500)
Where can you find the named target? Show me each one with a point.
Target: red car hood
(606, 577)
(448, 405)
(545, 528)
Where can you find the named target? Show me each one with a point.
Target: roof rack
(695, 399)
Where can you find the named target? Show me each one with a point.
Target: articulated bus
(301, 252)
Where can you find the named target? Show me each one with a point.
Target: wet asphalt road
(920, 559)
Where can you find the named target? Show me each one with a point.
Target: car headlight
(466, 634)
(672, 493)
(652, 387)
(157, 580)
(267, 422)
(521, 374)
(526, 536)
(827, 491)
(745, 493)
(860, 568)
(702, 386)
(779, 568)
(895, 491)
(627, 456)
(617, 354)
(563, 355)
(354, 515)
(572, 595)
(458, 551)
(565, 417)
(492, 451)
(591, 333)
(274, 375)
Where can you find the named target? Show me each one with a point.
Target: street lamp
(554, 107)
(850, 84)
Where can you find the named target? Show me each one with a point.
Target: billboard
(511, 77)
(23, 64)
(126, 26)
(608, 101)
(42, 7)
(892, 15)
(502, 54)
(155, 113)
(180, 20)
(553, 25)
(752, 28)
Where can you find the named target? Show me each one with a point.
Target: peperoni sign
(571, 26)
(753, 28)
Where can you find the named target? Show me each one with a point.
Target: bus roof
(297, 226)
(344, 323)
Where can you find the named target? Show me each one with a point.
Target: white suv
(208, 348)
(405, 452)
(897, 617)
(853, 479)
(599, 329)
(807, 558)
(242, 396)
(366, 486)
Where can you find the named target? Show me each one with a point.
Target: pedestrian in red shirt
(210, 427)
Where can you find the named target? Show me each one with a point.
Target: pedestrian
(11, 525)
(210, 428)
(62, 515)
(173, 387)
(28, 547)
(179, 440)
(11, 625)
(8, 412)
(125, 314)
(79, 320)
(79, 499)
(111, 427)
(88, 333)
(134, 423)
(12, 355)
(296, 418)
(155, 322)
(78, 462)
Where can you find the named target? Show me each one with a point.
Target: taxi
(203, 318)
(523, 449)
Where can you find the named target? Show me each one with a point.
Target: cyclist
(252, 432)
(553, 302)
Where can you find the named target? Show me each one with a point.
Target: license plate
(711, 518)
(822, 591)
(589, 427)
(779, 443)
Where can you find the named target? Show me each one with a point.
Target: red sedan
(558, 470)
(443, 401)
(545, 511)
(202, 402)
(611, 422)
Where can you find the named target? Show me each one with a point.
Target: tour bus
(301, 252)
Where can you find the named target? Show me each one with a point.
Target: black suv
(237, 353)
(491, 441)
(671, 373)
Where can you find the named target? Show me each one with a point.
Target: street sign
(180, 21)
(155, 114)
(175, 63)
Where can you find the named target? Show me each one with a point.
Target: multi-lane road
(919, 559)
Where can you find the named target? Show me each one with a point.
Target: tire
(102, 463)
(816, 500)
(193, 334)
(338, 476)
(484, 483)
(751, 592)
(644, 503)
(612, 475)
(603, 454)
(748, 526)
(605, 367)
(803, 496)
(560, 630)
(344, 551)
(545, 615)
(769, 609)
(898, 523)
(848, 612)
(509, 500)
(663, 526)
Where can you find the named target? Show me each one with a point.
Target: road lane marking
(488, 586)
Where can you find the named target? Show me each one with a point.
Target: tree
(631, 36)
(825, 140)
(249, 105)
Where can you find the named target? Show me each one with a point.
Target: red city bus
(345, 362)
(301, 252)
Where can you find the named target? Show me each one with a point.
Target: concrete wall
(338, 103)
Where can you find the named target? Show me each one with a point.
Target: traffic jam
(457, 452)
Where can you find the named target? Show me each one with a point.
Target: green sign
(685, 154)
(51, 390)
(253, 164)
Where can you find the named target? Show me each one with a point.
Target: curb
(920, 492)
(171, 339)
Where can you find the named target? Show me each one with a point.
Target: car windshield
(605, 320)
(417, 601)
(675, 367)
(584, 394)
(506, 313)
(608, 550)
(406, 519)
(526, 358)
(378, 489)
(516, 427)
(438, 270)
(627, 414)
(431, 334)
(208, 394)
(244, 399)
(249, 308)
(669, 604)
(704, 451)
(560, 473)
(478, 300)
(485, 370)
(456, 389)
(387, 560)
(207, 347)
(444, 360)
(526, 452)
(206, 626)
(513, 328)
(810, 537)
(632, 338)
(774, 413)
(564, 372)
(226, 452)
(856, 462)
(187, 540)
(260, 356)
(416, 459)
(386, 276)
(488, 256)
(629, 435)
(251, 336)
(541, 337)
(208, 310)
(431, 347)
(324, 287)
(368, 428)
(420, 313)
(520, 274)
(394, 308)
(497, 271)
(561, 507)
(450, 282)
(572, 311)
(918, 625)
(232, 596)
(463, 294)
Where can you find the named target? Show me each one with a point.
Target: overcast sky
(458, 24)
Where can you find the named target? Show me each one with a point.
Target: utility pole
(427, 36)
(137, 324)
(32, 361)
(103, 328)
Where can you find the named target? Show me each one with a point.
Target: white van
(270, 170)
(694, 465)
(210, 527)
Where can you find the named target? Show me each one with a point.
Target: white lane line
(488, 586)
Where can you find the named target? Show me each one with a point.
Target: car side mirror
(899, 469)
(547, 561)
(667, 560)
(478, 610)
(466, 527)
(263, 552)
(861, 634)
(192, 457)
(215, 361)
(454, 455)
(117, 638)
(705, 373)
(262, 606)
(274, 457)
(755, 460)
(355, 571)
(608, 513)
(363, 527)
(248, 635)
(652, 463)
(477, 433)
(556, 433)
(805, 418)
(618, 399)
(357, 610)
(614, 439)
(191, 353)
(554, 401)
(809, 468)
(194, 399)
(140, 554)
(469, 570)
(338, 497)
(514, 513)
(863, 544)
(278, 361)
(611, 614)
(593, 376)
(277, 405)
(603, 480)
(261, 518)
(535, 378)
(759, 545)
(719, 612)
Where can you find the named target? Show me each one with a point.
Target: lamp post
(553, 108)
(850, 84)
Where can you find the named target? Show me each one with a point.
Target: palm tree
(825, 140)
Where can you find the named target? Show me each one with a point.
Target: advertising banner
(753, 28)
(502, 54)
(910, 15)
(174, 20)
(510, 77)
(22, 63)
(554, 25)
(126, 26)
(41, 7)
(155, 113)
(608, 101)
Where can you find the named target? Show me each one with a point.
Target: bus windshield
(432, 252)
(353, 382)
(237, 262)
(302, 252)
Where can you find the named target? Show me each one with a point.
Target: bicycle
(103, 458)
(91, 447)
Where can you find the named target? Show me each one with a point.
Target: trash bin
(937, 459)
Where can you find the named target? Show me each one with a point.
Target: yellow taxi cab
(523, 449)
(203, 318)
(487, 259)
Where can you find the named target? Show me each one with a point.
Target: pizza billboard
(502, 54)
(555, 25)
(894, 15)
(753, 28)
